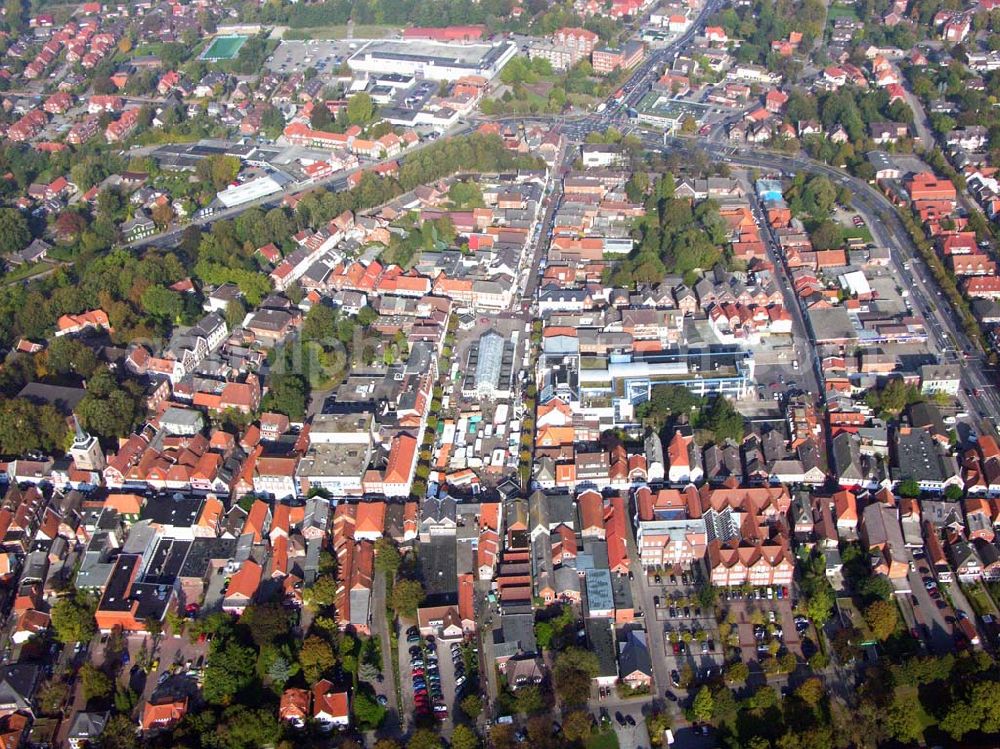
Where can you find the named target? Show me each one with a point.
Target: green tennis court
(223, 48)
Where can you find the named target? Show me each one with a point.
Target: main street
(942, 324)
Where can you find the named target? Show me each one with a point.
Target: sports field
(223, 48)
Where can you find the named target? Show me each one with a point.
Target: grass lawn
(978, 598)
(361, 31)
(863, 233)
(23, 272)
(604, 740)
(841, 11)
(909, 697)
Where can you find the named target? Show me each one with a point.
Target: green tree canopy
(407, 595)
(14, 232)
(229, 669)
(573, 671)
(73, 617)
(703, 704)
(882, 617)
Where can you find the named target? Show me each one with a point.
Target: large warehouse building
(433, 60)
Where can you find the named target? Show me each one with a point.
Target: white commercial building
(432, 60)
(252, 190)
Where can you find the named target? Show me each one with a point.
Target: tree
(722, 418)
(819, 606)
(953, 493)
(218, 170)
(119, 733)
(162, 302)
(657, 725)
(573, 671)
(577, 725)
(882, 617)
(280, 670)
(360, 109)
(464, 737)
(73, 617)
(876, 587)
(323, 592)
(316, 658)
(162, 214)
(14, 232)
(902, 721)
(266, 622)
(368, 672)
(708, 594)
(230, 668)
(321, 119)
(67, 355)
(95, 683)
(909, 488)
(320, 324)
(962, 718)
(69, 226)
(52, 696)
(811, 691)
(472, 706)
(424, 739)
(703, 705)
(828, 235)
(407, 595)
(367, 712)
(235, 312)
(109, 410)
(819, 196)
(387, 557)
(529, 700)
(738, 672)
(26, 426)
(287, 395)
(14, 14)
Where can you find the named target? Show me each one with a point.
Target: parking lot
(178, 666)
(325, 56)
(761, 621)
(431, 669)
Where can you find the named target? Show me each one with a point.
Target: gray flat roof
(833, 324)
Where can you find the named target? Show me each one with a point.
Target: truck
(967, 630)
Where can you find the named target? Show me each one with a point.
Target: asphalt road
(941, 322)
(336, 182)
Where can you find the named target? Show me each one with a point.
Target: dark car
(630, 720)
(619, 718)
(671, 696)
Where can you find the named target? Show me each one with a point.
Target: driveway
(380, 629)
(927, 611)
(629, 735)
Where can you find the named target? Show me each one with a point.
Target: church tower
(86, 450)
